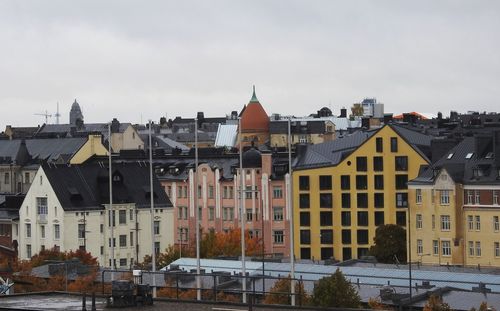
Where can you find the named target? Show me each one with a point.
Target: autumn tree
(390, 242)
(435, 303)
(335, 291)
(280, 293)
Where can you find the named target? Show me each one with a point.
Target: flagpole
(111, 212)
(153, 253)
(290, 202)
(197, 211)
(242, 219)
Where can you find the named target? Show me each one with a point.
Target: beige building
(67, 207)
(304, 131)
(454, 206)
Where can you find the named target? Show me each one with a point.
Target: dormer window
(469, 155)
(117, 178)
(477, 172)
(490, 155)
(450, 156)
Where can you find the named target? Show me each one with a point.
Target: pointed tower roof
(254, 118)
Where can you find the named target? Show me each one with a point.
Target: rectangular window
(277, 192)
(346, 200)
(249, 214)
(325, 200)
(497, 249)
(326, 236)
(7, 181)
(305, 237)
(305, 253)
(179, 212)
(445, 197)
(123, 262)
(420, 247)
(278, 236)
(28, 250)
(26, 178)
(346, 236)
(363, 219)
(122, 217)
(379, 182)
(156, 227)
(478, 248)
(210, 192)
(445, 223)
(345, 218)
(361, 164)
(470, 196)
(81, 231)
(303, 182)
(401, 218)
(211, 213)
(42, 232)
(199, 191)
(378, 164)
(471, 248)
(402, 199)
(304, 200)
(378, 200)
(57, 232)
(131, 213)
(131, 239)
(28, 230)
(470, 222)
(325, 219)
(325, 182)
(379, 144)
(418, 221)
(401, 182)
(477, 197)
(433, 220)
(379, 218)
(495, 197)
(123, 240)
(362, 236)
(114, 242)
(401, 163)
(496, 224)
(157, 247)
(435, 247)
(446, 248)
(361, 182)
(41, 204)
(478, 223)
(305, 219)
(277, 213)
(248, 192)
(345, 182)
(394, 144)
(418, 196)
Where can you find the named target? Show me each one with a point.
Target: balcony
(41, 218)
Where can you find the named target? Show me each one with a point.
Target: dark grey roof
(47, 149)
(297, 127)
(86, 186)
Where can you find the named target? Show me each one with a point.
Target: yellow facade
(93, 146)
(362, 219)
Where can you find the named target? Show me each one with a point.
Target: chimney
(482, 143)
(267, 163)
(115, 126)
(343, 113)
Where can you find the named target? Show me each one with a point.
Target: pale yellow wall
(93, 146)
(128, 140)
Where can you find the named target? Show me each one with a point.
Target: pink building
(265, 198)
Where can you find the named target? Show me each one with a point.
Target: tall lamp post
(242, 218)
(153, 253)
(290, 202)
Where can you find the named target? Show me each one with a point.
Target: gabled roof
(86, 186)
(47, 149)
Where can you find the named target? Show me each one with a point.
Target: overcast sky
(145, 59)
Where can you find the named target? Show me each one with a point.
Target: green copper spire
(254, 97)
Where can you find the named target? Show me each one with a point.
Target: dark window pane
(394, 144)
(379, 146)
(326, 236)
(362, 236)
(305, 253)
(362, 251)
(346, 200)
(346, 218)
(345, 182)
(326, 253)
(305, 219)
(401, 218)
(361, 164)
(378, 200)
(361, 182)
(304, 182)
(325, 219)
(378, 164)
(346, 253)
(305, 237)
(346, 236)
(362, 218)
(379, 182)
(325, 200)
(304, 200)
(325, 182)
(362, 200)
(401, 182)
(379, 218)
(401, 163)
(401, 199)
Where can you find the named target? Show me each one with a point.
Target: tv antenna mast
(57, 115)
(46, 115)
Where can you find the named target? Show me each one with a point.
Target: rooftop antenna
(46, 115)
(57, 115)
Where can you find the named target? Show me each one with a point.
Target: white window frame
(477, 220)
(471, 249)
(418, 221)
(446, 248)
(496, 248)
(445, 223)
(420, 247)
(435, 247)
(445, 197)
(470, 222)
(478, 248)
(278, 237)
(496, 224)
(418, 196)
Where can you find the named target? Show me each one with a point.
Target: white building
(67, 207)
